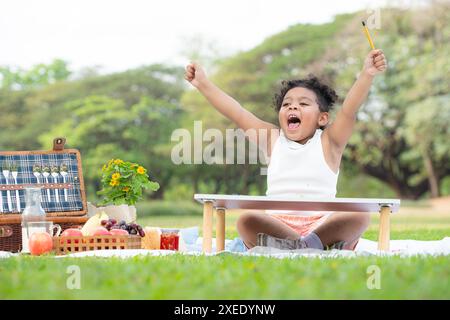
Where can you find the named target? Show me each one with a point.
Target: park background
(118, 104)
(399, 147)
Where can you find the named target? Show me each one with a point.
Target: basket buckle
(58, 143)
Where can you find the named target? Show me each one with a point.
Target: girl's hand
(195, 74)
(375, 62)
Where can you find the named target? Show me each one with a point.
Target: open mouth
(293, 122)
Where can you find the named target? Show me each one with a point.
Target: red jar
(170, 239)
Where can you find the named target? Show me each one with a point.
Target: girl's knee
(246, 226)
(365, 219)
(246, 221)
(362, 219)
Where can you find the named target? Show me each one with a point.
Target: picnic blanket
(193, 246)
(402, 248)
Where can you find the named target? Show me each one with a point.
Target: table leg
(384, 232)
(207, 226)
(220, 229)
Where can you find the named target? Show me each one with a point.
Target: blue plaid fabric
(25, 175)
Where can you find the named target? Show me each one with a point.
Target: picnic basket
(69, 209)
(73, 244)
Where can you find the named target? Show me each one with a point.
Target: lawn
(232, 277)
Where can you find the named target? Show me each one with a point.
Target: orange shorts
(302, 224)
(306, 224)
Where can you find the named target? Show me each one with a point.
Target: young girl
(305, 156)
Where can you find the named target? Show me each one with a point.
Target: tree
(38, 76)
(386, 143)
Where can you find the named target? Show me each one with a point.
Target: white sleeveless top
(300, 170)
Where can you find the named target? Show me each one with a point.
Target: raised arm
(225, 104)
(341, 129)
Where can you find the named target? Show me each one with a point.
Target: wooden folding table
(222, 202)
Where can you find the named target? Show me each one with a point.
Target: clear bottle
(33, 212)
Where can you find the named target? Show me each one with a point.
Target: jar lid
(170, 230)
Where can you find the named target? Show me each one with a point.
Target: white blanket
(408, 247)
(403, 248)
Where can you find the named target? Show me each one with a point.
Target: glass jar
(33, 212)
(170, 239)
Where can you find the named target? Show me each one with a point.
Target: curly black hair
(326, 96)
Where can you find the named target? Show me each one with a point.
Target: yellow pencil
(368, 35)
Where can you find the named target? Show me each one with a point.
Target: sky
(123, 34)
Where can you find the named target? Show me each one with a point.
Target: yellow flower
(141, 170)
(114, 183)
(104, 167)
(115, 176)
(118, 161)
(126, 189)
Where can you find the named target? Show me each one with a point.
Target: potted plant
(123, 184)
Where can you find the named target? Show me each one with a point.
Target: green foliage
(38, 76)
(123, 182)
(445, 186)
(179, 191)
(354, 185)
(175, 208)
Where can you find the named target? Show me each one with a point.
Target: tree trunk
(244, 179)
(432, 179)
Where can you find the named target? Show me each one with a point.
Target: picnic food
(152, 238)
(170, 239)
(131, 228)
(101, 231)
(40, 243)
(118, 232)
(71, 232)
(93, 222)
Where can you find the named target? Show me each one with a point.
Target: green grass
(224, 277)
(234, 277)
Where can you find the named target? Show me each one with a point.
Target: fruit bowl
(71, 244)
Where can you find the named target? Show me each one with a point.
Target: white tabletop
(300, 203)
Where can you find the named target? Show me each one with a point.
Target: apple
(71, 232)
(119, 232)
(40, 243)
(100, 231)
